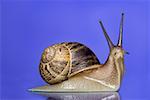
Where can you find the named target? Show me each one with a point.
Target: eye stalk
(110, 43)
(120, 31)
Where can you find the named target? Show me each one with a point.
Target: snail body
(71, 66)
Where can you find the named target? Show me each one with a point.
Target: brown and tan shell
(61, 61)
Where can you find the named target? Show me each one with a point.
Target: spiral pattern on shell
(61, 61)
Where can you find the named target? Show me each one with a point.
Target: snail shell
(64, 60)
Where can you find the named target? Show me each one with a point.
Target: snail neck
(117, 66)
(108, 74)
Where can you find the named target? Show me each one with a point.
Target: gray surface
(80, 96)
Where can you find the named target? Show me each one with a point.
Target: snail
(73, 66)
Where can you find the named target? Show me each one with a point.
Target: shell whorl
(61, 61)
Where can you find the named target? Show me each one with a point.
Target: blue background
(29, 26)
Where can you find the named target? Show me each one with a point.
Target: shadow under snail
(71, 66)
